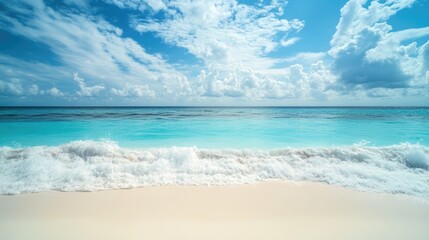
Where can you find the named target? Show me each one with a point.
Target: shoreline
(285, 182)
(266, 210)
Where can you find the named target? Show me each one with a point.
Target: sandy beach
(269, 210)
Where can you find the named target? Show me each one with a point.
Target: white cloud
(305, 58)
(368, 54)
(134, 91)
(355, 18)
(233, 41)
(288, 42)
(16, 87)
(29, 78)
(295, 81)
(33, 90)
(88, 45)
(410, 57)
(28, 72)
(12, 88)
(54, 92)
(85, 90)
(156, 5)
(224, 32)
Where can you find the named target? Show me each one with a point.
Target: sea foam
(92, 166)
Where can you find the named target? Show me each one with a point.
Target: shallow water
(259, 128)
(87, 149)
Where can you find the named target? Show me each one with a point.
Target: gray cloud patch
(355, 69)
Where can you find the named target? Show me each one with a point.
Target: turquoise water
(260, 128)
(89, 149)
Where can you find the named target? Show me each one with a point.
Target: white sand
(270, 210)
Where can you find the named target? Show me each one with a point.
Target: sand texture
(269, 210)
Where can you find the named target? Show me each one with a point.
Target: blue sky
(220, 52)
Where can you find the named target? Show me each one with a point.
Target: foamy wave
(91, 166)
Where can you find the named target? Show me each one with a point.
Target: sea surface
(88, 149)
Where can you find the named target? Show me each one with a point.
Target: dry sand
(269, 210)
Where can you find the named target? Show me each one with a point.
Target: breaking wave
(92, 166)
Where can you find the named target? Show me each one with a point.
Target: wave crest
(91, 166)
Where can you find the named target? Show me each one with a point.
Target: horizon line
(216, 106)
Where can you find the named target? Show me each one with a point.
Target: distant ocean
(88, 149)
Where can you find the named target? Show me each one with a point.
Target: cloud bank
(368, 54)
(239, 51)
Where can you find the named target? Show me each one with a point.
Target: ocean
(375, 149)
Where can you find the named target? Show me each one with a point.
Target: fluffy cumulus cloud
(12, 88)
(54, 92)
(239, 51)
(223, 32)
(288, 83)
(16, 88)
(369, 56)
(134, 91)
(233, 41)
(85, 90)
